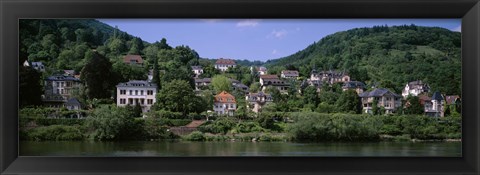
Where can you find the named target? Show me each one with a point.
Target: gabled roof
(261, 68)
(196, 67)
(380, 92)
(224, 97)
(203, 80)
(353, 84)
(73, 102)
(137, 83)
(225, 61)
(424, 98)
(269, 77)
(133, 58)
(62, 78)
(290, 73)
(69, 72)
(416, 83)
(437, 96)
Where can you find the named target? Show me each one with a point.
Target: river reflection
(182, 148)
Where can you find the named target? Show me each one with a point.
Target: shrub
(195, 136)
(54, 132)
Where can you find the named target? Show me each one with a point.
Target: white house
(293, 74)
(385, 98)
(255, 101)
(197, 70)
(224, 104)
(137, 92)
(434, 107)
(223, 64)
(415, 88)
(329, 76)
(259, 70)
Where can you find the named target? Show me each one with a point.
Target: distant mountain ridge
(391, 56)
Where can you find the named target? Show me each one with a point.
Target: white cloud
(278, 34)
(248, 23)
(457, 29)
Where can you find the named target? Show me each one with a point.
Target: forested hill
(386, 56)
(62, 44)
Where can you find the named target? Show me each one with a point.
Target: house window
(130, 101)
(58, 84)
(149, 92)
(122, 101)
(123, 92)
(136, 92)
(142, 101)
(149, 101)
(58, 91)
(231, 105)
(141, 92)
(130, 93)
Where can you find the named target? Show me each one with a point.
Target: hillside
(62, 44)
(389, 56)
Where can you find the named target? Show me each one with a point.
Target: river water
(182, 148)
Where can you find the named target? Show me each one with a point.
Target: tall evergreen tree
(98, 77)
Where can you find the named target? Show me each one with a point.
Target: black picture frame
(11, 11)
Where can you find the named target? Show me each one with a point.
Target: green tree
(414, 107)
(255, 87)
(176, 96)
(311, 96)
(109, 122)
(98, 77)
(349, 102)
(29, 86)
(221, 83)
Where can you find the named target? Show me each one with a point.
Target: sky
(253, 39)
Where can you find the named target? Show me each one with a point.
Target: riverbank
(275, 126)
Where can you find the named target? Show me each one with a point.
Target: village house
(330, 76)
(255, 101)
(434, 107)
(452, 99)
(258, 70)
(74, 105)
(305, 83)
(267, 81)
(385, 98)
(354, 85)
(224, 104)
(415, 88)
(201, 83)
(58, 89)
(35, 65)
(197, 70)
(290, 74)
(136, 92)
(223, 64)
(133, 60)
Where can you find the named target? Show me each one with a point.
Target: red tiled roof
(268, 76)
(133, 58)
(451, 99)
(225, 97)
(423, 98)
(225, 61)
